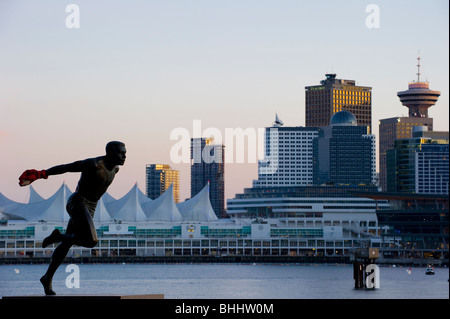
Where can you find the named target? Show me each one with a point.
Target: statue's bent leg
(80, 231)
(57, 258)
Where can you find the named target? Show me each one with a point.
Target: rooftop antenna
(418, 67)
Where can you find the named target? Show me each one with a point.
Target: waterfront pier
(363, 264)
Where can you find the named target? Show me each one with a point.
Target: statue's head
(116, 152)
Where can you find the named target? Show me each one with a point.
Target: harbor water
(225, 281)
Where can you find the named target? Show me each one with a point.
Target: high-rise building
(432, 169)
(392, 129)
(208, 166)
(419, 164)
(418, 99)
(288, 156)
(335, 95)
(158, 178)
(344, 153)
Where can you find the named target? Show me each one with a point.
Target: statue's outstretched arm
(31, 175)
(66, 168)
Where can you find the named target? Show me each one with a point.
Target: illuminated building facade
(158, 178)
(335, 95)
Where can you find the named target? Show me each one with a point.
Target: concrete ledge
(85, 297)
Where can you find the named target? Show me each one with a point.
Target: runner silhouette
(96, 176)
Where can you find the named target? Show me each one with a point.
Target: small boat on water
(429, 271)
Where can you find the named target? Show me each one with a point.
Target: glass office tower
(208, 166)
(419, 164)
(394, 128)
(344, 153)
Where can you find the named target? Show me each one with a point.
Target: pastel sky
(136, 70)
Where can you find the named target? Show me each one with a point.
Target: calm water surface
(226, 281)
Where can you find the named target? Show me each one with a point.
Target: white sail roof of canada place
(134, 206)
(128, 208)
(51, 209)
(34, 196)
(198, 208)
(101, 213)
(8, 207)
(163, 208)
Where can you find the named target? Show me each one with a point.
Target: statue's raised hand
(30, 175)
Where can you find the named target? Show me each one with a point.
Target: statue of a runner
(96, 176)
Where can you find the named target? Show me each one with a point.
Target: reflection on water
(226, 281)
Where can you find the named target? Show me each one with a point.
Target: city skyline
(134, 72)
